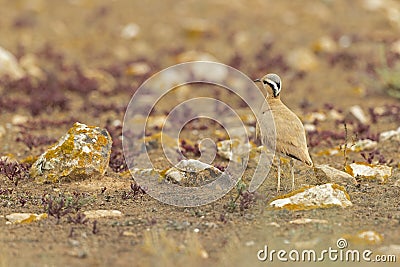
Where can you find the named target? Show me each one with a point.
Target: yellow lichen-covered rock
(320, 196)
(82, 152)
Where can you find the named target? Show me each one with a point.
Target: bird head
(273, 81)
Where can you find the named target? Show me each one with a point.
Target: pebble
(83, 152)
(225, 149)
(19, 119)
(192, 170)
(326, 173)
(390, 135)
(365, 237)
(369, 171)
(15, 218)
(307, 220)
(95, 214)
(138, 69)
(2, 131)
(320, 196)
(130, 31)
(9, 65)
(325, 44)
(359, 114)
(362, 145)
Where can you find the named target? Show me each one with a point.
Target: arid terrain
(83, 60)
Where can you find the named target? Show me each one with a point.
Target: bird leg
(292, 171)
(279, 175)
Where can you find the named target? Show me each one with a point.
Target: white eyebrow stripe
(275, 86)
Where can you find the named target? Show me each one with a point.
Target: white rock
(359, 114)
(225, 149)
(307, 220)
(9, 65)
(130, 31)
(94, 214)
(321, 196)
(329, 174)
(24, 217)
(19, 119)
(310, 127)
(369, 171)
(365, 144)
(192, 170)
(390, 135)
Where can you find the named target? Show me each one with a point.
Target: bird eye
(264, 82)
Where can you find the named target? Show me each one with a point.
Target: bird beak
(257, 80)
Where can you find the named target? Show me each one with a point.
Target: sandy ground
(331, 55)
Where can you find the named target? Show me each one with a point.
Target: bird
(290, 134)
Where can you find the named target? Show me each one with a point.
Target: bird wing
(290, 134)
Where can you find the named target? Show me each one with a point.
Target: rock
(390, 135)
(302, 59)
(308, 127)
(365, 144)
(138, 69)
(192, 172)
(307, 220)
(19, 119)
(328, 174)
(365, 237)
(14, 218)
(130, 31)
(95, 214)
(314, 116)
(320, 196)
(359, 114)
(397, 183)
(224, 149)
(9, 65)
(325, 44)
(83, 152)
(105, 81)
(194, 27)
(369, 171)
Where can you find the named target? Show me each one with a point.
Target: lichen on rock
(84, 151)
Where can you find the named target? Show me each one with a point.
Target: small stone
(130, 31)
(192, 172)
(307, 220)
(95, 214)
(275, 224)
(362, 145)
(83, 152)
(369, 171)
(128, 233)
(320, 196)
(9, 65)
(314, 116)
(194, 27)
(19, 119)
(325, 44)
(328, 174)
(15, 218)
(359, 114)
(397, 183)
(335, 115)
(308, 127)
(105, 81)
(302, 59)
(249, 243)
(390, 135)
(138, 69)
(365, 237)
(225, 149)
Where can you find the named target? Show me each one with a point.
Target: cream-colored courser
(290, 133)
